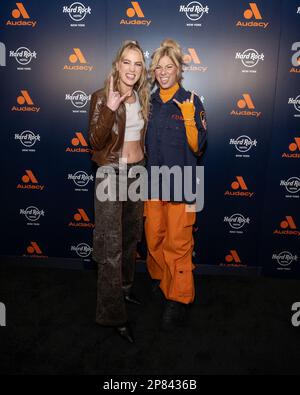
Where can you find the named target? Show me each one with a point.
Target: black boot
(174, 315)
(125, 332)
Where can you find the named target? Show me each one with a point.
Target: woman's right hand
(114, 98)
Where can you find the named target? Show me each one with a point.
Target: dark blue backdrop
(242, 58)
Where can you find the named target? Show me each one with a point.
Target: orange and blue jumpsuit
(175, 137)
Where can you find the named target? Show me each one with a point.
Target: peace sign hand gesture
(187, 108)
(114, 98)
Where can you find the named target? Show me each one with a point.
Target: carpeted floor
(238, 325)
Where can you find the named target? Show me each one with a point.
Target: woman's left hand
(187, 108)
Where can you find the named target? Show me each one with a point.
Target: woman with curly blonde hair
(176, 135)
(118, 117)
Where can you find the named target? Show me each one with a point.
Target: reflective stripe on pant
(169, 234)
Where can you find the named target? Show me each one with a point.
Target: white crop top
(134, 120)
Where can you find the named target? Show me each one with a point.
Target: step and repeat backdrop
(243, 60)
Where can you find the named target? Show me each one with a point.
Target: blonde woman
(118, 116)
(176, 135)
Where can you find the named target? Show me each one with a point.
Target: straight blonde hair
(141, 86)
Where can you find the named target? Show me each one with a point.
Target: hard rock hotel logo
(82, 250)
(292, 187)
(81, 180)
(285, 259)
(296, 103)
(21, 17)
(28, 139)
(79, 100)
(77, 13)
(243, 145)
(23, 56)
(194, 11)
(249, 59)
(237, 223)
(252, 18)
(32, 215)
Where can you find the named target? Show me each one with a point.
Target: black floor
(238, 325)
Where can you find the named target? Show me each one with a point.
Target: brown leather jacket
(103, 125)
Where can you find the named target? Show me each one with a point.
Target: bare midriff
(132, 151)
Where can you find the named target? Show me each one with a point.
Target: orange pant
(169, 234)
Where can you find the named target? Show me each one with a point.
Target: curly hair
(172, 49)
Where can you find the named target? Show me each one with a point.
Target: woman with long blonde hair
(118, 117)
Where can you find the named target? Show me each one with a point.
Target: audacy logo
(29, 181)
(136, 15)
(28, 139)
(285, 259)
(81, 220)
(23, 57)
(25, 103)
(79, 144)
(233, 260)
(249, 58)
(237, 222)
(193, 62)
(246, 106)
(77, 13)
(253, 15)
(194, 11)
(78, 62)
(288, 227)
(34, 251)
(239, 188)
(79, 100)
(243, 144)
(21, 17)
